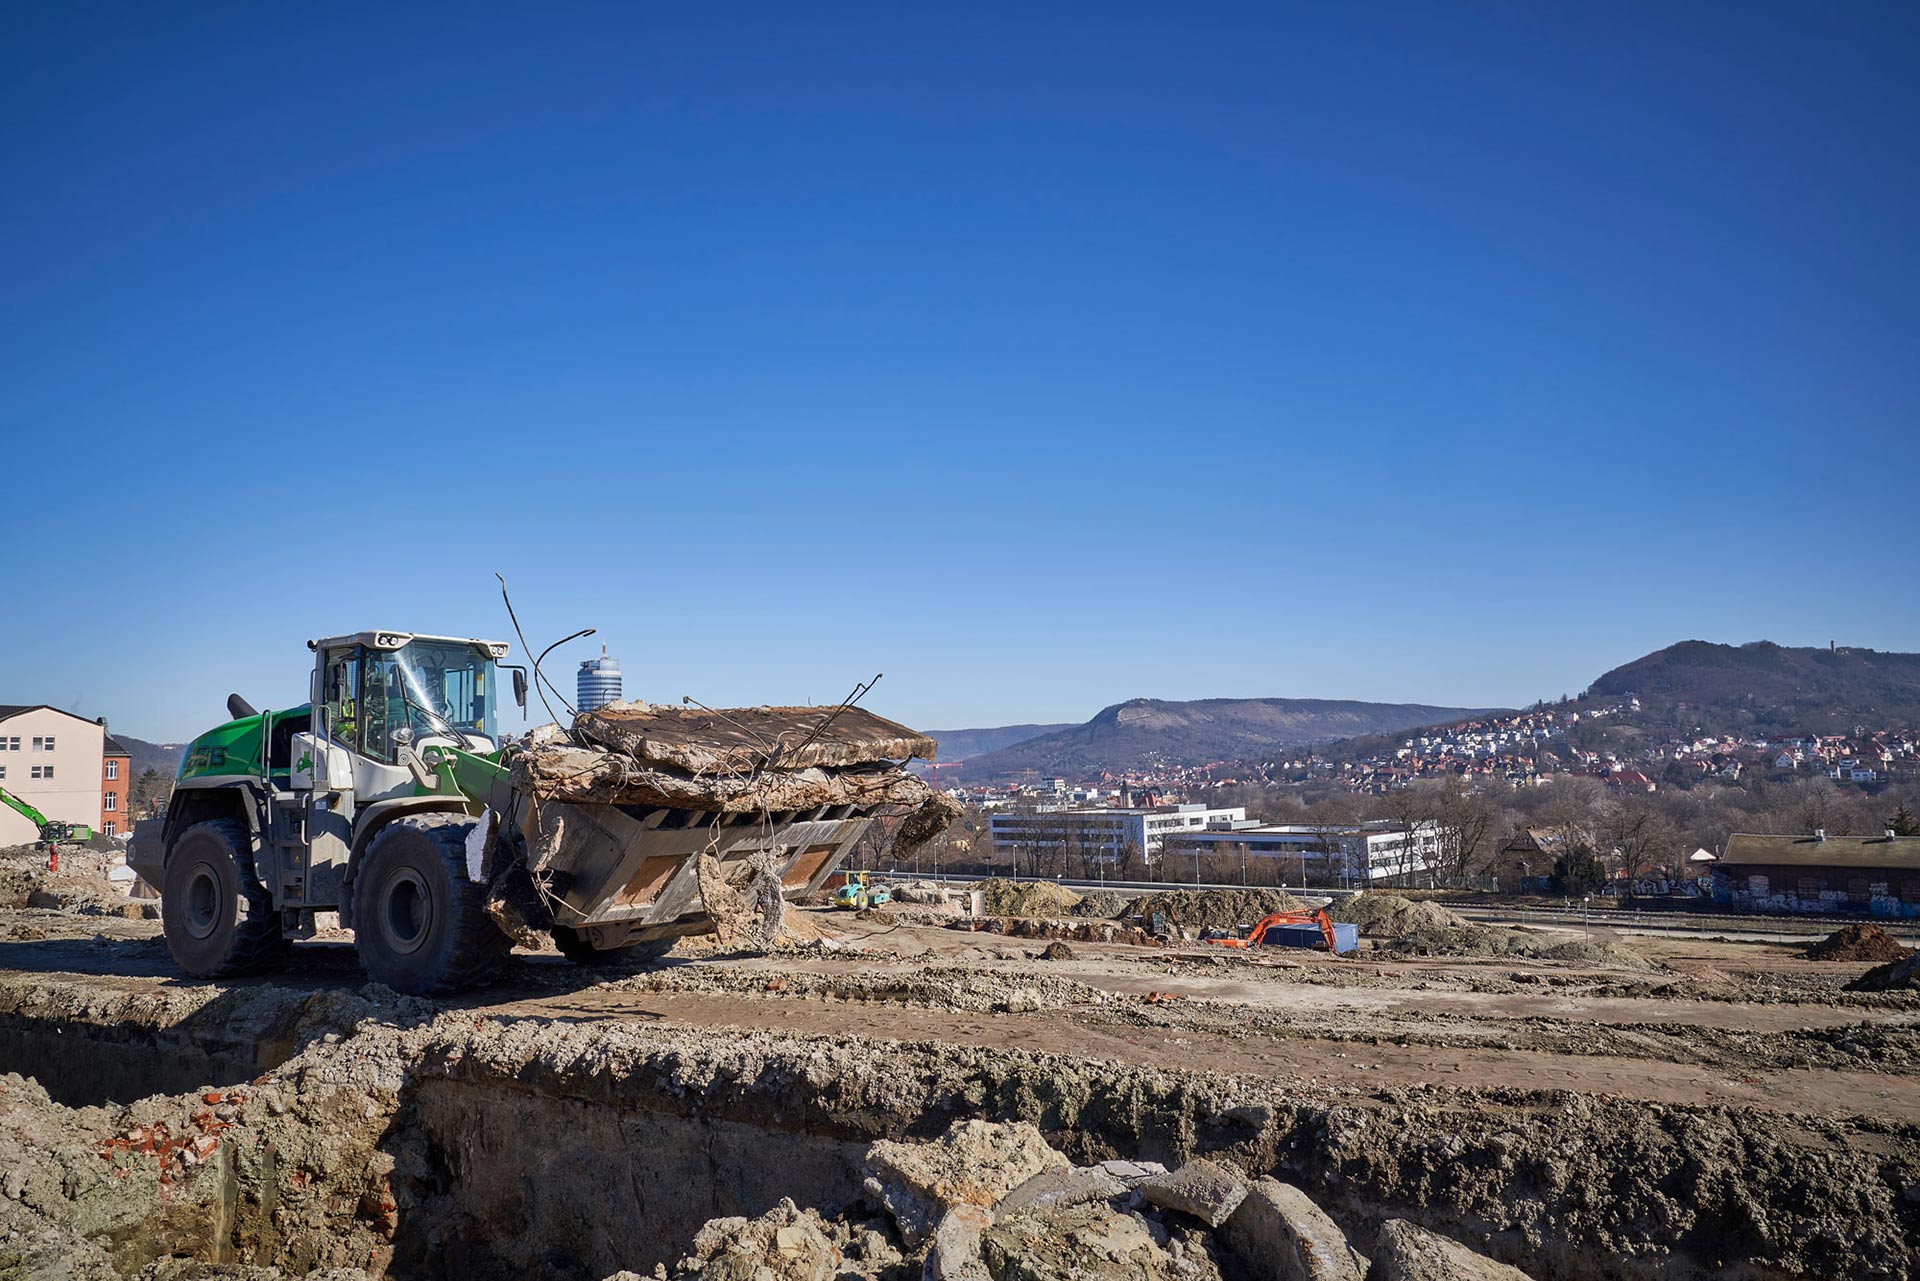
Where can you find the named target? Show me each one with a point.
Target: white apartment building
(51, 760)
(1365, 854)
(1103, 833)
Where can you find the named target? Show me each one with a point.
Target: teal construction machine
(391, 798)
(52, 831)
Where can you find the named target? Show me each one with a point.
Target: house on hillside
(1878, 875)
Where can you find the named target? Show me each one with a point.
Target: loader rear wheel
(219, 920)
(574, 946)
(420, 926)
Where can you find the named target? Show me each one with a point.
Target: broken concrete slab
(1200, 1189)
(1279, 1234)
(745, 739)
(1407, 1252)
(784, 1244)
(1132, 1173)
(1060, 1189)
(955, 1252)
(974, 1163)
(1092, 1242)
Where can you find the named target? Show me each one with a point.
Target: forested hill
(1766, 686)
(1154, 732)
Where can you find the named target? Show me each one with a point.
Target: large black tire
(574, 946)
(219, 919)
(421, 927)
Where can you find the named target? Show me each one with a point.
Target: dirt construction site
(1050, 1090)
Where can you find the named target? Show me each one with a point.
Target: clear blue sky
(1037, 356)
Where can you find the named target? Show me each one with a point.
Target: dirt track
(1720, 1031)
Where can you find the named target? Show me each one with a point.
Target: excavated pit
(359, 1130)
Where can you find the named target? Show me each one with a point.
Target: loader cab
(380, 692)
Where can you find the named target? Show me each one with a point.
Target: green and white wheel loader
(391, 799)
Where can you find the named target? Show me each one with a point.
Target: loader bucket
(617, 813)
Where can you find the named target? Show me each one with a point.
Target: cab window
(341, 692)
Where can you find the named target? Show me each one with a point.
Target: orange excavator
(1260, 927)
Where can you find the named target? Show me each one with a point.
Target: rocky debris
(1026, 898)
(1108, 904)
(1894, 976)
(955, 1252)
(1492, 941)
(975, 1163)
(784, 1244)
(960, 988)
(332, 1150)
(1200, 1189)
(83, 883)
(1279, 1234)
(1406, 1252)
(1132, 1173)
(926, 893)
(1214, 909)
(1390, 916)
(1091, 1241)
(1036, 927)
(745, 908)
(751, 760)
(1062, 1187)
(1859, 943)
(1056, 952)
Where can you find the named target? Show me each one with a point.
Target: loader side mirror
(520, 688)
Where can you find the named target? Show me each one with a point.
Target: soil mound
(1389, 916)
(1490, 941)
(1214, 909)
(1107, 904)
(1894, 976)
(1027, 898)
(1859, 943)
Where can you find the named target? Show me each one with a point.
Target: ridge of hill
(1157, 732)
(1764, 686)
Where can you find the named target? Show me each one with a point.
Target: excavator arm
(27, 811)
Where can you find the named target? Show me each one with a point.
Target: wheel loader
(391, 798)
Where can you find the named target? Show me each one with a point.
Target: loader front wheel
(420, 926)
(218, 918)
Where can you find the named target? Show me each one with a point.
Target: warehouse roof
(1817, 851)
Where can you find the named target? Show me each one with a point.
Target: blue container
(1347, 937)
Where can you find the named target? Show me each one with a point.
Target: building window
(111, 801)
(40, 771)
(3, 772)
(40, 744)
(113, 770)
(107, 827)
(5, 741)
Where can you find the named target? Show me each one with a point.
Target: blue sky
(1037, 356)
